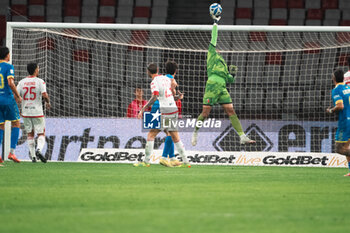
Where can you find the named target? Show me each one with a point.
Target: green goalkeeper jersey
(216, 66)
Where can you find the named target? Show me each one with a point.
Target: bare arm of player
(47, 100)
(338, 107)
(149, 104)
(12, 85)
(179, 95)
(173, 86)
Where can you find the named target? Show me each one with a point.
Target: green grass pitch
(77, 197)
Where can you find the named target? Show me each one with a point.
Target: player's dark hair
(31, 67)
(3, 52)
(171, 67)
(137, 87)
(152, 68)
(339, 75)
(348, 60)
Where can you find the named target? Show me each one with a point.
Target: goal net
(280, 94)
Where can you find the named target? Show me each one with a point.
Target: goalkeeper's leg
(236, 123)
(212, 93)
(204, 115)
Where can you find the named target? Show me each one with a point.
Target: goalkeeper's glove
(233, 70)
(216, 18)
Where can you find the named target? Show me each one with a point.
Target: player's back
(343, 91)
(31, 89)
(162, 85)
(6, 95)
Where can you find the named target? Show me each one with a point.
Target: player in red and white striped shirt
(32, 90)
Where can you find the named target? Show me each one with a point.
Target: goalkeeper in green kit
(215, 89)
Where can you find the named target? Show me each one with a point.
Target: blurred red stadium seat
(72, 2)
(36, 18)
(46, 43)
(342, 60)
(343, 37)
(278, 3)
(72, 11)
(312, 47)
(277, 22)
(19, 10)
(243, 13)
(107, 2)
(81, 55)
(71, 33)
(138, 37)
(72, 7)
(296, 4)
(106, 20)
(330, 4)
(142, 11)
(257, 36)
(344, 23)
(315, 14)
(36, 2)
(2, 26)
(273, 58)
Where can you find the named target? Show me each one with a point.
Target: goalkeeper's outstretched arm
(214, 32)
(214, 35)
(212, 45)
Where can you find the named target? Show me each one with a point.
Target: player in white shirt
(163, 89)
(33, 90)
(347, 74)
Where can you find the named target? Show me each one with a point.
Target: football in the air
(215, 9)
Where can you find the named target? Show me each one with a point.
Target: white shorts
(36, 124)
(169, 122)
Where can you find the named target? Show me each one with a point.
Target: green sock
(200, 118)
(236, 124)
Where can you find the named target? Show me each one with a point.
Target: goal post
(281, 91)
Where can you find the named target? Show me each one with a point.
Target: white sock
(31, 146)
(148, 150)
(41, 143)
(181, 149)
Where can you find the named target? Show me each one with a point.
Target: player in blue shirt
(8, 97)
(341, 101)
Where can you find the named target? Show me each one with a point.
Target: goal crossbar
(180, 27)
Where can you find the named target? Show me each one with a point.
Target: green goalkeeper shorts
(216, 92)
